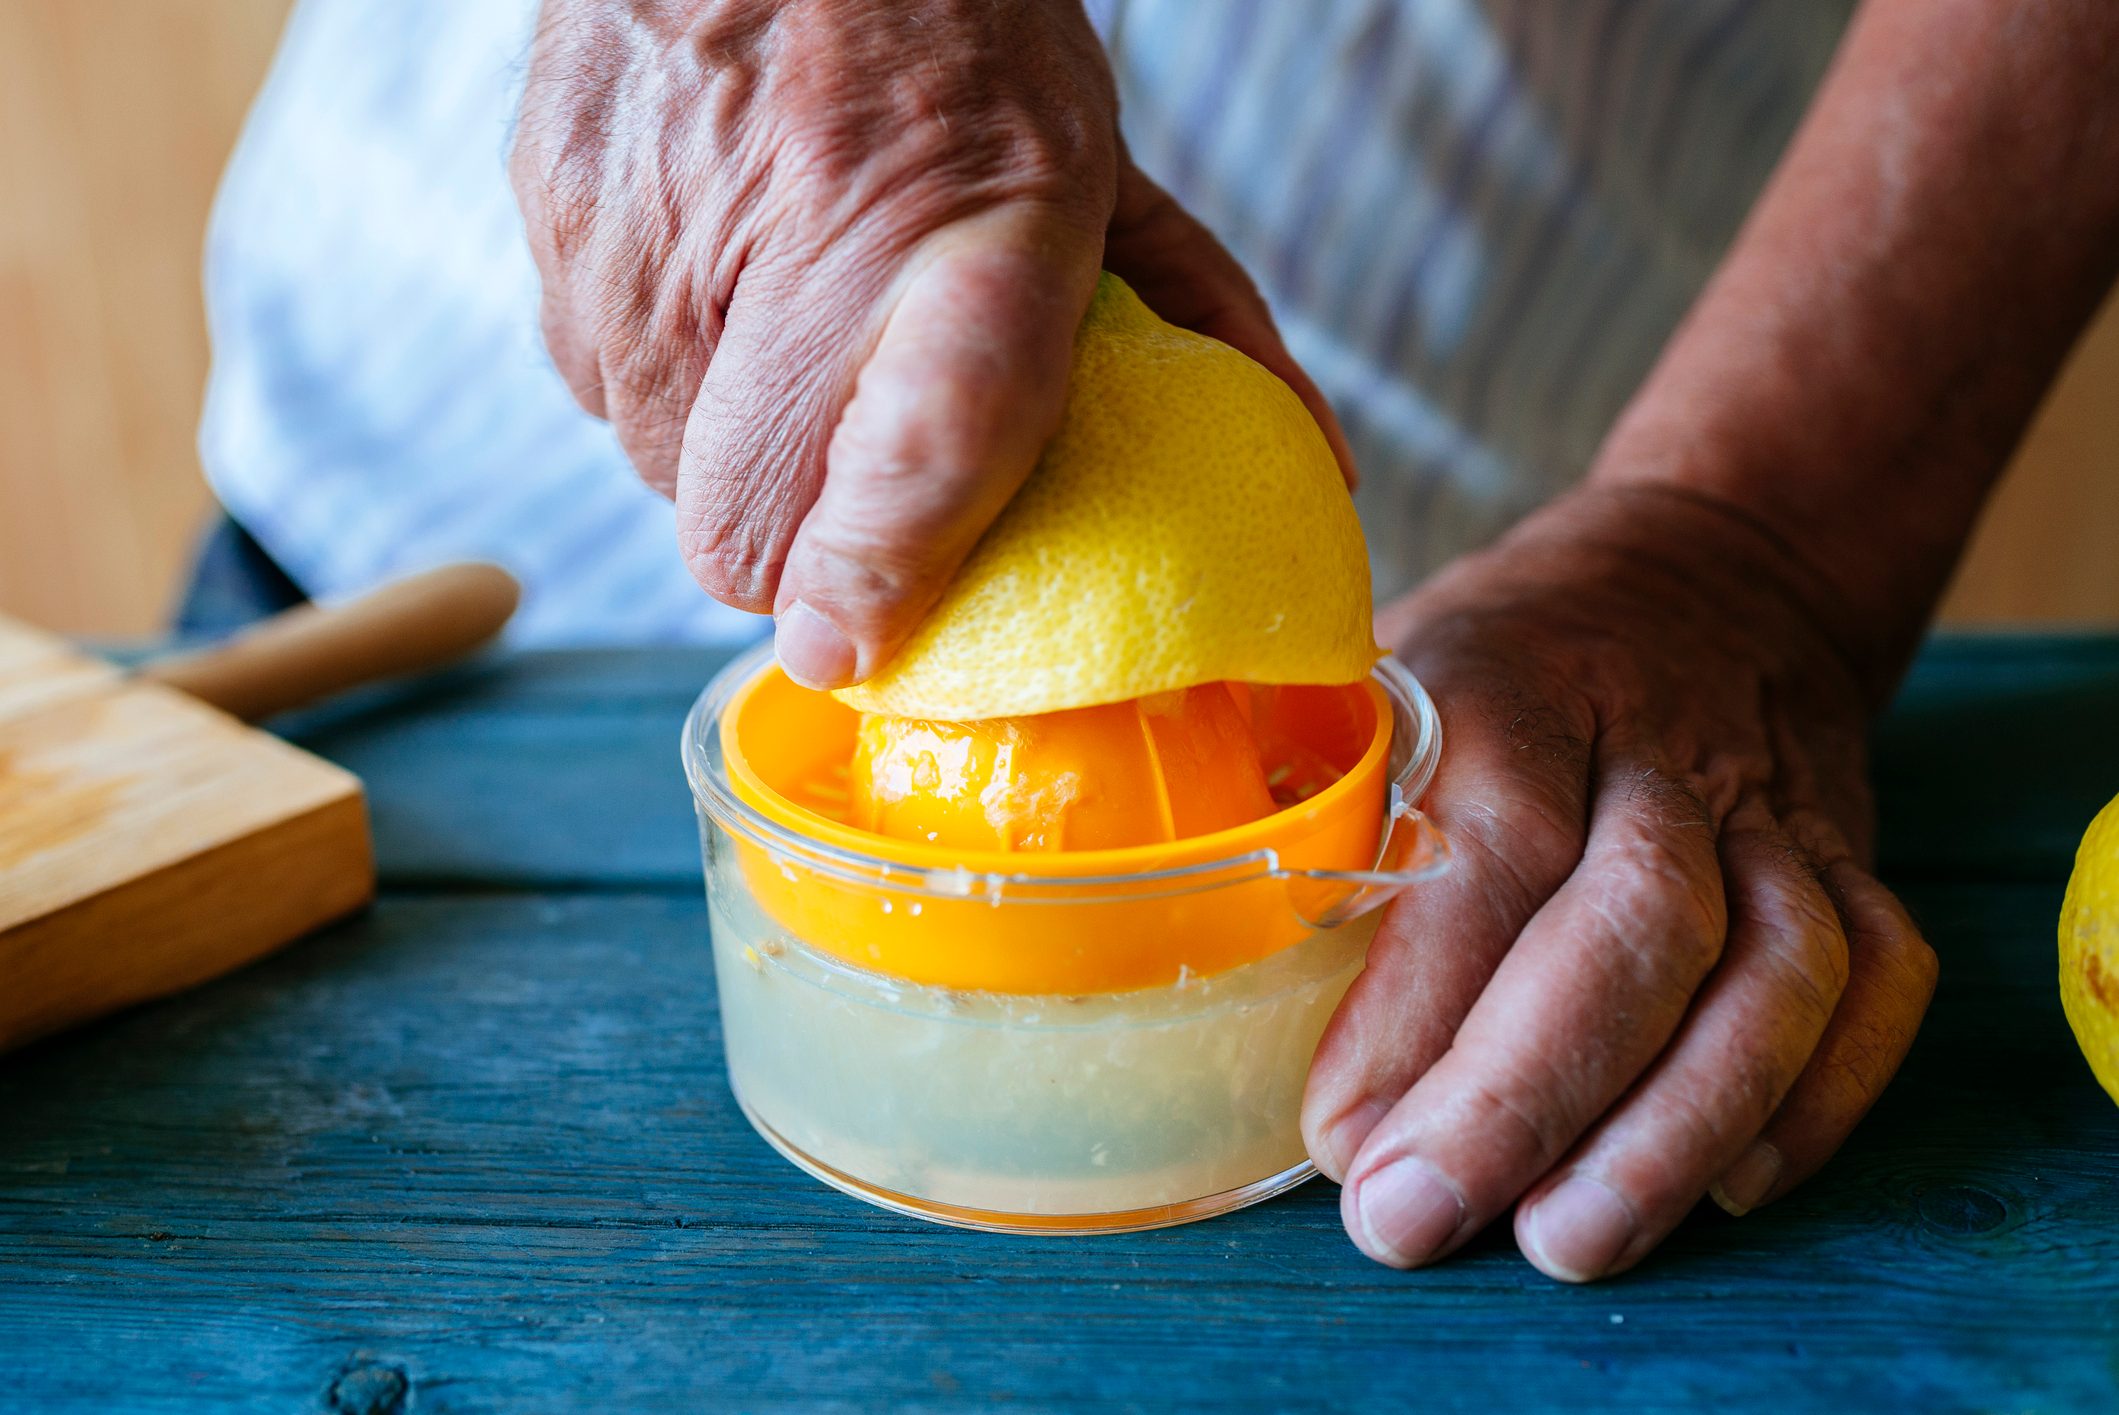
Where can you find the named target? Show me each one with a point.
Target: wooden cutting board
(149, 841)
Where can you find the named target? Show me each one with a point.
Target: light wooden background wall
(115, 116)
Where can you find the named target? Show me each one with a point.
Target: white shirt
(1476, 220)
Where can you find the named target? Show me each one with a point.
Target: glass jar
(1089, 1043)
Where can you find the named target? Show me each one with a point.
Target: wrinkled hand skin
(1660, 966)
(820, 263)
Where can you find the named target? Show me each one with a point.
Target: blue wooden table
(476, 1151)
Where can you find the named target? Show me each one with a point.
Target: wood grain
(475, 1150)
(148, 842)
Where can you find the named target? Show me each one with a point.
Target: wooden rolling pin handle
(309, 653)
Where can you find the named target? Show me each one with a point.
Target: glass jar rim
(1414, 755)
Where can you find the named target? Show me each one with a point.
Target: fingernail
(1747, 1182)
(1341, 1140)
(1578, 1230)
(1404, 1212)
(811, 648)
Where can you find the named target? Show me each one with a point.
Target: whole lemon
(2089, 948)
(1187, 524)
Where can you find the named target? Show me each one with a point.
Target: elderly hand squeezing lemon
(822, 265)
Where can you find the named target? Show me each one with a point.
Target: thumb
(966, 384)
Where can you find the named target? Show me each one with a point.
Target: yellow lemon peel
(1187, 524)
(2089, 948)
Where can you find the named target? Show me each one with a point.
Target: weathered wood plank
(486, 1141)
(562, 768)
(476, 1151)
(534, 771)
(1998, 752)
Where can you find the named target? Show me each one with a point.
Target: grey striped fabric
(1477, 220)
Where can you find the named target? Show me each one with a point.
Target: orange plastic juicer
(1052, 974)
(1186, 833)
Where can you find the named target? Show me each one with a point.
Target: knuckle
(647, 410)
(1546, 809)
(730, 555)
(1674, 806)
(652, 336)
(867, 569)
(1809, 967)
(1542, 731)
(1806, 983)
(1711, 1123)
(1514, 879)
(1656, 890)
(1659, 965)
(560, 191)
(1530, 817)
(898, 505)
(1511, 1118)
(1853, 1072)
(880, 453)
(578, 369)
(1819, 838)
(1824, 956)
(1882, 936)
(651, 443)
(1800, 934)
(1538, 815)
(1706, 1117)
(872, 566)
(1544, 743)
(739, 578)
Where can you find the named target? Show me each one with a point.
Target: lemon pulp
(1160, 768)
